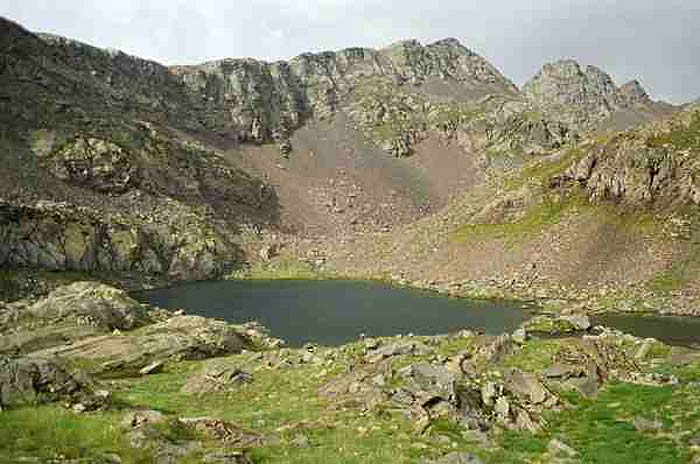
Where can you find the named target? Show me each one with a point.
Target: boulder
(28, 381)
(430, 382)
(142, 417)
(226, 432)
(92, 304)
(217, 375)
(397, 348)
(527, 387)
(178, 338)
(553, 325)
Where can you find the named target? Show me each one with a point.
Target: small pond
(333, 312)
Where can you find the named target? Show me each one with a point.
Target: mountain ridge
(269, 156)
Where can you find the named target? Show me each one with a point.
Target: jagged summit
(633, 92)
(582, 95)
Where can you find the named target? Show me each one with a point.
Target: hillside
(414, 162)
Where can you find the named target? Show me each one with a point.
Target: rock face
(69, 313)
(655, 164)
(172, 240)
(109, 331)
(581, 96)
(263, 101)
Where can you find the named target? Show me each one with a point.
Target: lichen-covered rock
(652, 165)
(226, 432)
(177, 338)
(95, 163)
(170, 239)
(550, 325)
(28, 381)
(90, 303)
(217, 375)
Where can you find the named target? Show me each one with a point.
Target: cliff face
(262, 101)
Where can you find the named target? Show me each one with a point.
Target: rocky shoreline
(71, 345)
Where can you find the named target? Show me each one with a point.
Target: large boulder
(27, 381)
(178, 338)
(90, 303)
(69, 313)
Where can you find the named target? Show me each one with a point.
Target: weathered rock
(178, 338)
(27, 381)
(563, 371)
(646, 425)
(90, 303)
(527, 387)
(362, 386)
(488, 351)
(519, 335)
(95, 163)
(154, 367)
(582, 97)
(226, 432)
(644, 349)
(217, 375)
(143, 417)
(429, 382)
(559, 448)
(578, 321)
(397, 348)
(556, 325)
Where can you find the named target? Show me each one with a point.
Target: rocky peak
(565, 82)
(632, 92)
(580, 96)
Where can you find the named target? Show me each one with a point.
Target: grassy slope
(647, 255)
(284, 402)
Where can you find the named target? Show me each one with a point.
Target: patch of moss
(284, 268)
(535, 355)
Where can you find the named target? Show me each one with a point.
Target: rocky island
(416, 164)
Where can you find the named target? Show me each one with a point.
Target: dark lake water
(682, 331)
(335, 312)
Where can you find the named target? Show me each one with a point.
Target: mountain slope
(377, 160)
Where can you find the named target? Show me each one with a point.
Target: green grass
(548, 212)
(284, 403)
(681, 136)
(541, 172)
(50, 432)
(601, 429)
(536, 355)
